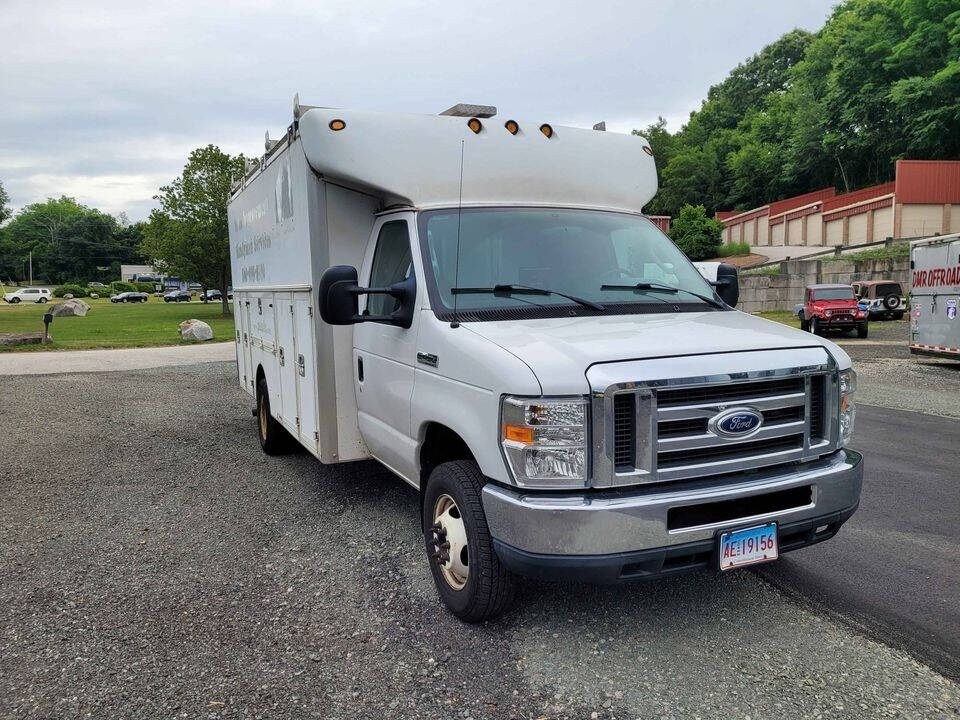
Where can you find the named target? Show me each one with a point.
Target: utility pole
(31, 267)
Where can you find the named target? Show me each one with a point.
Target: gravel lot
(153, 563)
(889, 376)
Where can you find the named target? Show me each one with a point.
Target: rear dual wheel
(274, 439)
(470, 579)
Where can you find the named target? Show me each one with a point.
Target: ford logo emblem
(737, 422)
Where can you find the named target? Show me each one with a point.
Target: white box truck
(481, 306)
(935, 270)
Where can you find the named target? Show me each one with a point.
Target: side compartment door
(384, 354)
(288, 410)
(306, 369)
(240, 329)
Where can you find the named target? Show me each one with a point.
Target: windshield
(834, 294)
(575, 252)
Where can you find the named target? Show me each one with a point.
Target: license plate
(748, 547)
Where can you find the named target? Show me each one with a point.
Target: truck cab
(498, 324)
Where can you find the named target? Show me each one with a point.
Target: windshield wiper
(507, 290)
(641, 286)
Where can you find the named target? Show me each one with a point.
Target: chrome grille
(681, 443)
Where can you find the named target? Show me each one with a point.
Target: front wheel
(469, 576)
(804, 324)
(862, 330)
(815, 326)
(15, 301)
(42, 300)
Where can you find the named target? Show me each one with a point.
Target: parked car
(34, 295)
(96, 284)
(211, 295)
(129, 297)
(831, 307)
(883, 299)
(177, 296)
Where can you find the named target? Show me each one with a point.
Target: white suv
(35, 295)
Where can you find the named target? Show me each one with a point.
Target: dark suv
(883, 298)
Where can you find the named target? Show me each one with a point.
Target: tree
(5, 212)
(187, 235)
(40, 229)
(880, 81)
(695, 233)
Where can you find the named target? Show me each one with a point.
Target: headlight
(545, 440)
(828, 313)
(848, 410)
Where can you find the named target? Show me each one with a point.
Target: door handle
(302, 366)
(360, 368)
(281, 357)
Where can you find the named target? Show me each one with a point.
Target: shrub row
(117, 286)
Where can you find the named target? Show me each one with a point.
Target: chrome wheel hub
(448, 542)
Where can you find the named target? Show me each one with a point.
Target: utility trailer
(935, 269)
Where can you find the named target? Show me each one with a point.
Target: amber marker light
(512, 127)
(546, 130)
(518, 433)
(475, 125)
(336, 125)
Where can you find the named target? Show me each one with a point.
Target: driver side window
(392, 263)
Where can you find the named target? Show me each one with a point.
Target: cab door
(384, 354)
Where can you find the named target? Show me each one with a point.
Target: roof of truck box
(435, 161)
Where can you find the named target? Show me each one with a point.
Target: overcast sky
(103, 101)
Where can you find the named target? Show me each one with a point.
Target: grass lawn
(110, 325)
(781, 316)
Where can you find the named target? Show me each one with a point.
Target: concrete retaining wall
(781, 292)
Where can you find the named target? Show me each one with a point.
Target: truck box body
(286, 228)
(934, 321)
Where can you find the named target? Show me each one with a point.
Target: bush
(734, 249)
(696, 234)
(78, 291)
(144, 287)
(119, 286)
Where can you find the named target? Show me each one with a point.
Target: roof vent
(468, 110)
(269, 144)
(601, 126)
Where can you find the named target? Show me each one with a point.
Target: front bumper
(612, 536)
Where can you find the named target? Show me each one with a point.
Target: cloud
(103, 100)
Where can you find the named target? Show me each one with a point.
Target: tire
(489, 588)
(862, 330)
(891, 302)
(15, 301)
(898, 316)
(274, 439)
(42, 300)
(804, 325)
(815, 326)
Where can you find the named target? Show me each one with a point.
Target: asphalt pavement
(154, 563)
(892, 571)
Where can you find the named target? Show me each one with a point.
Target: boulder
(77, 308)
(68, 296)
(195, 330)
(94, 295)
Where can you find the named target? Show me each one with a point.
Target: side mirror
(728, 284)
(339, 293)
